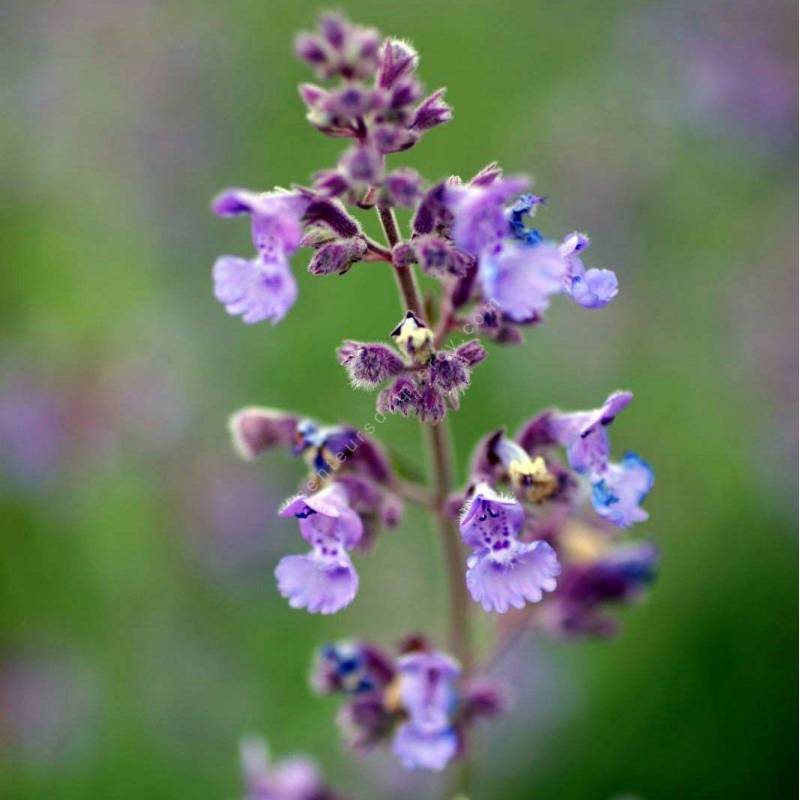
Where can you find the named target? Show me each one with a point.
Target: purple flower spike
(520, 280)
(256, 290)
(504, 572)
(584, 434)
(427, 692)
(323, 581)
(617, 496)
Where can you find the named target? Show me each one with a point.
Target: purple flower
(262, 288)
(504, 572)
(323, 581)
(294, 778)
(617, 496)
(593, 288)
(584, 433)
(480, 218)
(255, 290)
(520, 280)
(427, 691)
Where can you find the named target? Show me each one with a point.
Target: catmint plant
(540, 524)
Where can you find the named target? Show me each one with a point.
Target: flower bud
(402, 188)
(431, 406)
(337, 257)
(369, 365)
(431, 112)
(402, 397)
(390, 138)
(448, 372)
(256, 429)
(397, 60)
(362, 164)
(473, 352)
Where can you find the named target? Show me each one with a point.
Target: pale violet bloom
(504, 572)
(618, 495)
(324, 580)
(262, 288)
(584, 434)
(592, 288)
(428, 739)
(520, 280)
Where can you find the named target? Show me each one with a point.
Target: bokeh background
(141, 630)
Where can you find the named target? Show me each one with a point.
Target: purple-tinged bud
(334, 28)
(403, 95)
(489, 174)
(338, 256)
(403, 255)
(462, 291)
(432, 212)
(255, 430)
(431, 406)
(473, 352)
(317, 235)
(448, 372)
(483, 697)
(362, 164)
(351, 101)
(315, 97)
(331, 213)
(397, 59)
(433, 254)
(392, 510)
(369, 365)
(309, 48)
(331, 183)
(431, 112)
(402, 188)
(390, 138)
(402, 397)
(508, 334)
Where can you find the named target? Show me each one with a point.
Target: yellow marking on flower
(532, 477)
(392, 700)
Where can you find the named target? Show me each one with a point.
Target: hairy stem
(404, 273)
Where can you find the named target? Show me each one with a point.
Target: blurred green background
(141, 630)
